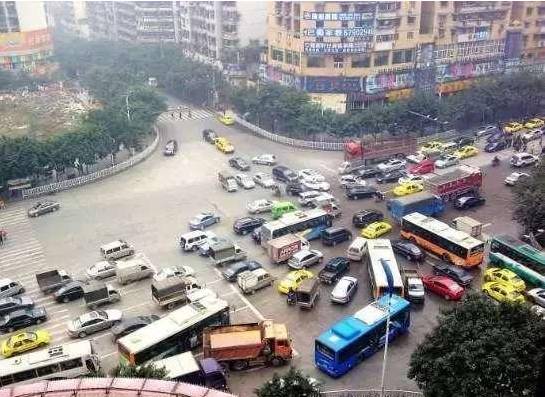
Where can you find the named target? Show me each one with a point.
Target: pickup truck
(98, 294)
(414, 288)
(52, 280)
(225, 251)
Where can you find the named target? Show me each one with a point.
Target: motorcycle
(495, 161)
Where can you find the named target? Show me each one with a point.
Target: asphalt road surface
(150, 206)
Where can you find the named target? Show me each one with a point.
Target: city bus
(177, 332)
(308, 224)
(525, 273)
(354, 338)
(379, 250)
(58, 362)
(437, 237)
(518, 251)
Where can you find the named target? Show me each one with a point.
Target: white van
(116, 249)
(134, 269)
(357, 249)
(250, 281)
(192, 240)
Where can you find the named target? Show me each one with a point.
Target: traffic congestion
(298, 237)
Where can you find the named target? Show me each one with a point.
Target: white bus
(57, 362)
(179, 331)
(307, 224)
(379, 250)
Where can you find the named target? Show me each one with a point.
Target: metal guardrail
(371, 393)
(95, 176)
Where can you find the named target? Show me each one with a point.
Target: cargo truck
(97, 294)
(455, 183)
(357, 153)
(282, 248)
(225, 251)
(52, 280)
(423, 202)
(172, 291)
(250, 344)
(227, 181)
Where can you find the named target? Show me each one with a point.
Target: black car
(465, 202)
(247, 224)
(464, 141)
(366, 172)
(498, 136)
(392, 176)
(209, 135)
(239, 163)
(359, 192)
(495, 146)
(454, 272)
(22, 318)
(231, 273)
(13, 303)
(256, 235)
(295, 187)
(407, 249)
(69, 292)
(284, 174)
(334, 269)
(131, 324)
(364, 218)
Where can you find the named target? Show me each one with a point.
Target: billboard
(325, 84)
(392, 80)
(24, 41)
(459, 71)
(338, 16)
(336, 48)
(339, 32)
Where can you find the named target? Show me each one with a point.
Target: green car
(282, 207)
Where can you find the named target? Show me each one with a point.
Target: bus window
(326, 351)
(70, 364)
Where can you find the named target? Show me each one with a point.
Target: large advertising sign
(278, 76)
(338, 16)
(24, 41)
(387, 81)
(339, 32)
(513, 44)
(459, 71)
(324, 84)
(337, 48)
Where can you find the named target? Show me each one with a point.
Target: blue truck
(423, 202)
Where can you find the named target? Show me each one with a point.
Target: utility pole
(127, 105)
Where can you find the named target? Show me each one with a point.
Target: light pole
(390, 280)
(127, 105)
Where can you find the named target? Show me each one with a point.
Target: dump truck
(282, 248)
(423, 202)
(227, 181)
(456, 183)
(414, 288)
(225, 251)
(97, 294)
(52, 280)
(357, 153)
(249, 344)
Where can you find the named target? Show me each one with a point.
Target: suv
(247, 224)
(523, 159)
(454, 272)
(366, 217)
(11, 304)
(239, 163)
(8, 288)
(305, 258)
(284, 174)
(296, 188)
(392, 176)
(334, 269)
(335, 235)
(359, 192)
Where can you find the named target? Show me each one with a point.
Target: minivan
(284, 174)
(133, 270)
(282, 207)
(8, 288)
(357, 249)
(335, 235)
(116, 249)
(192, 240)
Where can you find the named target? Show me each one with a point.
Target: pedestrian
(1, 237)
(2, 204)
(189, 113)
(180, 115)
(172, 114)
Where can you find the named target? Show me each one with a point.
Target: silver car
(265, 159)
(259, 206)
(101, 270)
(92, 322)
(244, 181)
(305, 258)
(174, 271)
(344, 290)
(537, 295)
(43, 207)
(264, 180)
(447, 160)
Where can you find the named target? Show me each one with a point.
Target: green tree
(292, 384)
(481, 349)
(148, 371)
(528, 203)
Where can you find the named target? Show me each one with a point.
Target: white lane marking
(108, 355)
(240, 309)
(243, 299)
(486, 225)
(227, 294)
(135, 306)
(213, 282)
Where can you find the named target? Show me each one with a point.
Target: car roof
(301, 254)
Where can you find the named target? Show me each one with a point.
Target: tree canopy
(529, 206)
(481, 349)
(292, 384)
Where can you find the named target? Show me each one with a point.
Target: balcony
(472, 24)
(393, 14)
(385, 30)
(384, 46)
(461, 8)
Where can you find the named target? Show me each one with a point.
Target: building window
(410, 35)
(412, 5)
(344, 24)
(315, 62)
(381, 58)
(338, 62)
(403, 56)
(411, 20)
(529, 11)
(344, 7)
(361, 61)
(277, 54)
(444, 4)
(289, 57)
(441, 33)
(541, 11)
(319, 24)
(319, 39)
(296, 59)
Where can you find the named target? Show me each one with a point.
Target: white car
(306, 197)
(416, 158)
(512, 179)
(344, 290)
(486, 130)
(100, 270)
(411, 178)
(260, 206)
(174, 271)
(537, 295)
(265, 159)
(351, 180)
(391, 165)
(264, 180)
(447, 160)
(305, 258)
(523, 159)
(533, 134)
(244, 181)
(315, 185)
(92, 322)
(311, 174)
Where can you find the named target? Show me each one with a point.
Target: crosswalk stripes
(196, 114)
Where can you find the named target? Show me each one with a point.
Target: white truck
(414, 288)
(134, 269)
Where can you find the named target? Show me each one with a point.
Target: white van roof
(113, 244)
(358, 243)
(193, 234)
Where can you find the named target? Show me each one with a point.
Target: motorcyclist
(495, 160)
(291, 297)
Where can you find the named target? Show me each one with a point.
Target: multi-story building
(348, 55)
(25, 38)
(69, 16)
(530, 17)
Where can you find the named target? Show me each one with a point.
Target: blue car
(203, 220)
(495, 146)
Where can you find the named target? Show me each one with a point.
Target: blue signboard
(336, 48)
(338, 16)
(327, 84)
(339, 32)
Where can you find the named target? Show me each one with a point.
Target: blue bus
(356, 337)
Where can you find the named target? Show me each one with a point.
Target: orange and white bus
(440, 239)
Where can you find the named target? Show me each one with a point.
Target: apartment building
(68, 16)
(348, 55)
(25, 38)
(529, 16)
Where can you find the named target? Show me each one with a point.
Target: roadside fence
(95, 176)
(371, 393)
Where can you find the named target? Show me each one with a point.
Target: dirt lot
(50, 110)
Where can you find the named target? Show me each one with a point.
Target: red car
(424, 167)
(443, 286)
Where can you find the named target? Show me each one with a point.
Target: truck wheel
(171, 306)
(277, 361)
(239, 365)
(66, 299)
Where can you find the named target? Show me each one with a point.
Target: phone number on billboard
(336, 48)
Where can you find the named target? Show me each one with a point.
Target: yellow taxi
(505, 276)
(376, 229)
(224, 145)
(534, 123)
(408, 188)
(24, 341)
(227, 119)
(431, 147)
(502, 292)
(465, 152)
(513, 126)
(293, 279)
